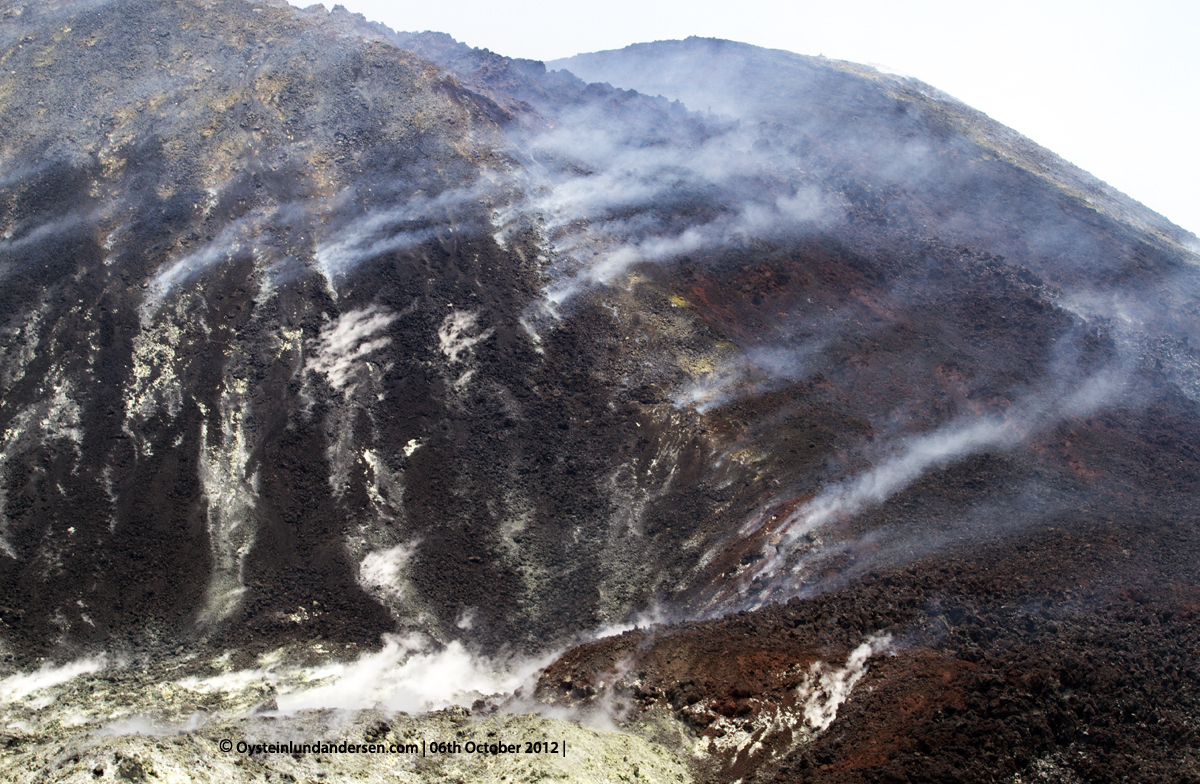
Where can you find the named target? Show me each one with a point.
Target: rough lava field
(694, 411)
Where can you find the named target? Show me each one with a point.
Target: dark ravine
(318, 336)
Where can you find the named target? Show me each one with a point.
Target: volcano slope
(327, 344)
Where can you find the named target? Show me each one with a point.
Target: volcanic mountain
(335, 356)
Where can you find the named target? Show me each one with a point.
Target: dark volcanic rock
(997, 663)
(314, 331)
(264, 343)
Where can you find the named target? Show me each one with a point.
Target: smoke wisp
(759, 370)
(824, 690)
(17, 687)
(344, 343)
(609, 198)
(915, 456)
(411, 675)
(417, 217)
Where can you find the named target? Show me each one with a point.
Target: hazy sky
(1113, 87)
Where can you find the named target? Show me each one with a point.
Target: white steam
(824, 690)
(607, 198)
(412, 673)
(913, 457)
(626, 243)
(757, 371)
(344, 343)
(409, 674)
(55, 228)
(935, 450)
(656, 615)
(383, 571)
(466, 619)
(21, 685)
(404, 225)
(232, 240)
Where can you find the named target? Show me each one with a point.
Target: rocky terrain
(348, 374)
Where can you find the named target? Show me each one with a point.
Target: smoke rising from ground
(344, 343)
(17, 687)
(756, 371)
(602, 197)
(824, 690)
(913, 457)
(232, 240)
(611, 198)
(625, 244)
(412, 675)
(413, 220)
(15, 239)
(384, 570)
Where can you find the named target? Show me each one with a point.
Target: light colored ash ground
(128, 723)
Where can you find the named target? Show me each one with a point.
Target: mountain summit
(335, 355)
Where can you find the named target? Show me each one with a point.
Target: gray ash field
(364, 385)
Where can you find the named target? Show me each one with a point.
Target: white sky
(1113, 87)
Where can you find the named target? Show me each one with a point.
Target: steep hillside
(346, 368)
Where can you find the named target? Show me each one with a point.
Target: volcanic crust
(323, 344)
